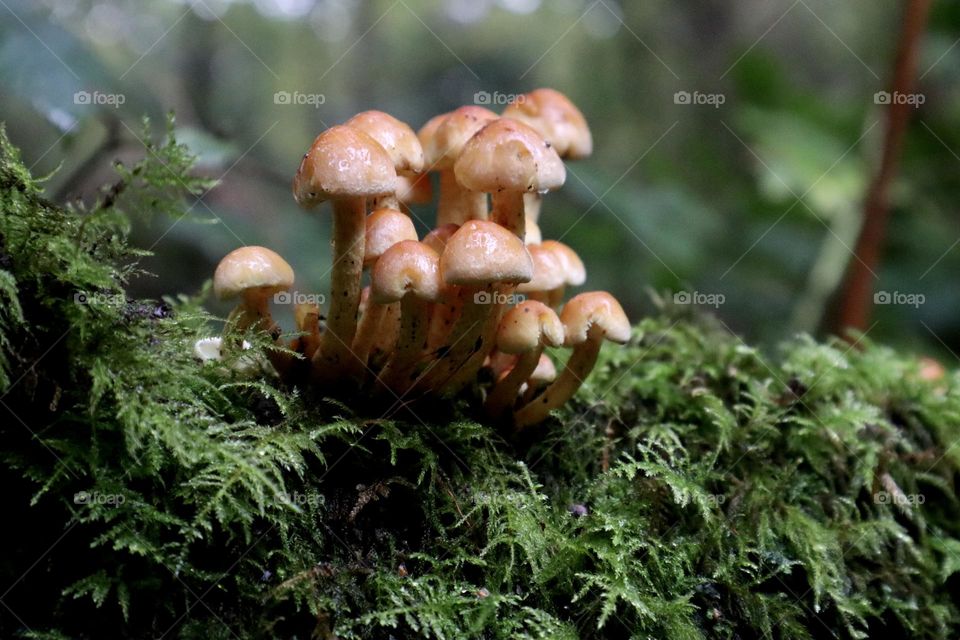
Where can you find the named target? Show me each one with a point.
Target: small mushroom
(346, 166)
(384, 228)
(571, 266)
(507, 159)
(408, 272)
(547, 274)
(560, 123)
(254, 274)
(443, 137)
(524, 331)
(588, 320)
(400, 143)
(479, 258)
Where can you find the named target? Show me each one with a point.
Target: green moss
(810, 494)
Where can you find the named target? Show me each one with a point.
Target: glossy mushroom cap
(385, 228)
(250, 268)
(482, 253)
(409, 267)
(437, 238)
(587, 313)
(574, 273)
(556, 119)
(527, 326)
(547, 271)
(507, 155)
(443, 140)
(343, 162)
(396, 137)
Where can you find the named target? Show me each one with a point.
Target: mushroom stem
(504, 394)
(508, 211)
(399, 372)
(334, 357)
(555, 297)
(471, 367)
(465, 339)
(442, 317)
(532, 202)
(578, 367)
(371, 324)
(457, 205)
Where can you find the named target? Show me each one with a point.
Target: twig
(855, 299)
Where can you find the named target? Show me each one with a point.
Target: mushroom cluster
(482, 292)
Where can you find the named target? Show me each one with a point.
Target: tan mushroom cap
(414, 189)
(343, 162)
(507, 155)
(527, 326)
(595, 309)
(575, 273)
(545, 373)
(548, 273)
(249, 268)
(385, 228)
(437, 239)
(396, 137)
(482, 252)
(556, 118)
(408, 267)
(443, 140)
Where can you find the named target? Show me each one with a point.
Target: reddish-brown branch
(856, 294)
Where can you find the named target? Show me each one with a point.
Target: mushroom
(408, 272)
(442, 138)
(533, 234)
(547, 274)
(306, 316)
(588, 320)
(571, 266)
(507, 159)
(544, 374)
(384, 228)
(559, 122)
(479, 258)
(400, 143)
(524, 331)
(253, 274)
(346, 166)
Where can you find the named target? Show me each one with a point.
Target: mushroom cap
(408, 267)
(556, 118)
(385, 228)
(575, 274)
(443, 140)
(507, 155)
(529, 325)
(396, 137)
(548, 273)
(437, 238)
(481, 253)
(545, 373)
(594, 310)
(248, 268)
(343, 162)
(414, 189)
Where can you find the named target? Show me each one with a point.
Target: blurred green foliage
(756, 199)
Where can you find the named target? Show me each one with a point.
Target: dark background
(754, 202)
